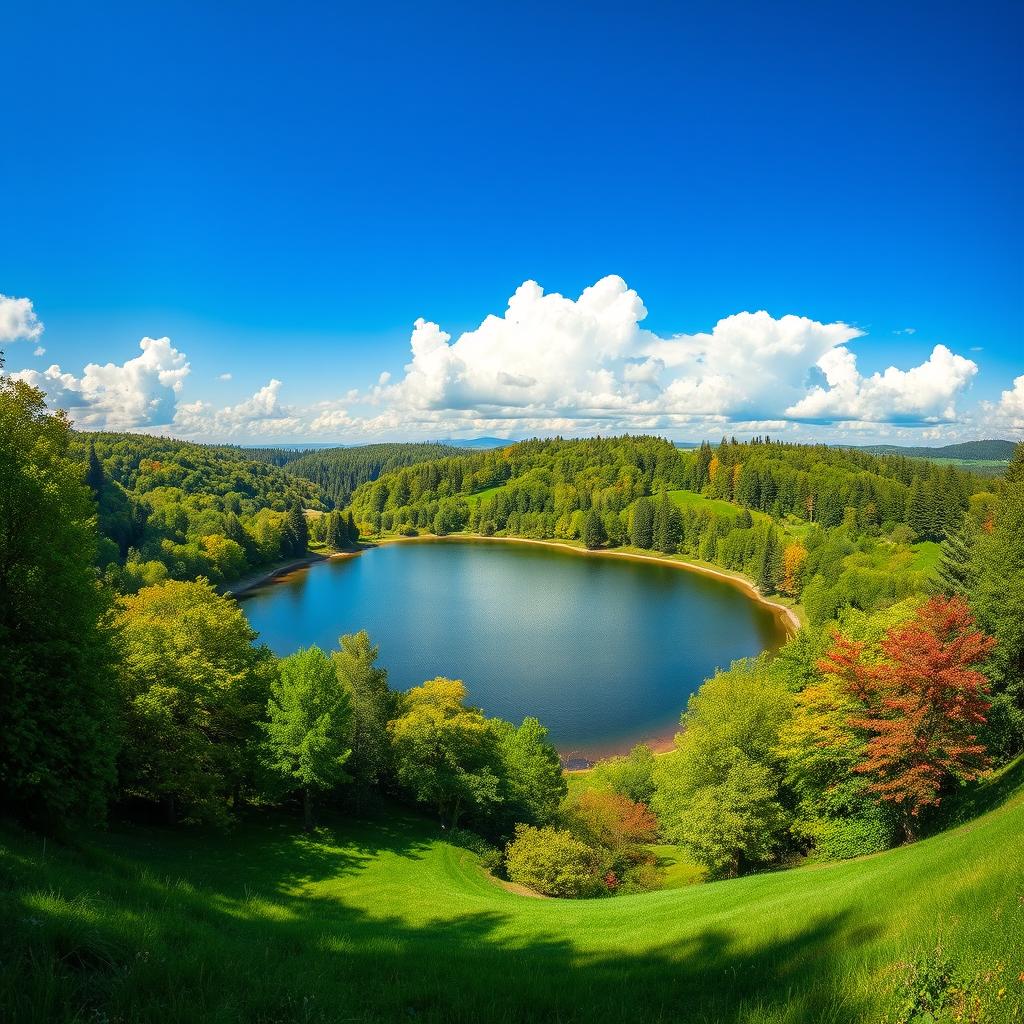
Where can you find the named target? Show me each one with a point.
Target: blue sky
(281, 194)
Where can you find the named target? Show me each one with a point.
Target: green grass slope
(385, 921)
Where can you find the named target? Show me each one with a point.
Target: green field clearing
(474, 499)
(384, 921)
(691, 499)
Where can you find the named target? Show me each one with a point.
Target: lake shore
(257, 579)
(783, 612)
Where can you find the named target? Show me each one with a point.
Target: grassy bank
(383, 920)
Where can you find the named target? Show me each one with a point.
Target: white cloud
(922, 394)
(39, 351)
(262, 414)
(906, 330)
(548, 364)
(554, 360)
(140, 392)
(18, 320)
(1008, 412)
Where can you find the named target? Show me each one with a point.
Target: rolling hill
(385, 920)
(967, 451)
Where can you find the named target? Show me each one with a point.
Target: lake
(604, 651)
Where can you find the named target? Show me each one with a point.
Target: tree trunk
(307, 809)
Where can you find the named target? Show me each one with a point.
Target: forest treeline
(339, 471)
(159, 695)
(830, 527)
(171, 509)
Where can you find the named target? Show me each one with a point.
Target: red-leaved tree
(922, 703)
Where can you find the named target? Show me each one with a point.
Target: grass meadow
(383, 920)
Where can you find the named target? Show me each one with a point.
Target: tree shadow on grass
(141, 944)
(978, 798)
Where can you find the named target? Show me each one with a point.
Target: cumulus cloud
(551, 359)
(1008, 412)
(552, 363)
(140, 392)
(262, 414)
(922, 394)
(39, 351)
(18, 320)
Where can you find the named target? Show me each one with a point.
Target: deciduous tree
(922, 704)
(309, 714)
(58, 736)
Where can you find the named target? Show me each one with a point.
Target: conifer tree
(94, 475)
(593, 530)
(956, 572)
(297, 530)
(642, 524)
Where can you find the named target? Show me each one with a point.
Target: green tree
(553, 862)
(297, 530)
(719, 795)
(194, 689)
(956, 572)
(373, 704)
(445, 752)
(666, 528)
(309, 718)
(593, 530)
(766, 567)
(532, 781)
(94, 475)
(997, 601)
(631, 776)
(59, 733)
(641, 527)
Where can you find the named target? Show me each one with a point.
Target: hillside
(966, 451)
(384, 920)
(339, 471)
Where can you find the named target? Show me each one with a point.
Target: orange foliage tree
(922, 703)
(793, 558)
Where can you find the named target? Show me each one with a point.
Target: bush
(640, 878)
(842, 838)
(553, 862)
(408, 531)
(631, 776)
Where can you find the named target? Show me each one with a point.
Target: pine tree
(766, 564)
(335, 538)
(642, 524)
(94, 475)
(956, 572)
(297, 531)
(593, 530)
(351, 530)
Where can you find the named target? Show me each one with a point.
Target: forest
(154, 686)
(825, 527)
(339, 471)
(169, 509)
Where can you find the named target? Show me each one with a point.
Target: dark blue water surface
(604, 651)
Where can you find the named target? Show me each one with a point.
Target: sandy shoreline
(247, 583)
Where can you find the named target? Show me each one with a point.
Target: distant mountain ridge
(982, 451)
